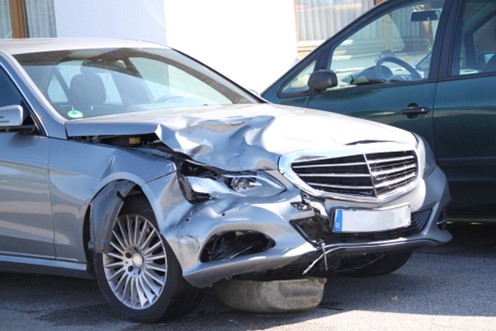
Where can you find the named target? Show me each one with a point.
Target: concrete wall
(251, 41)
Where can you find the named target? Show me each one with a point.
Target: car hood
(242, 137)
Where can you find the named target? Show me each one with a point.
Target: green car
(426, 66)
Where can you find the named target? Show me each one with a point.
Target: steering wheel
(400, 62)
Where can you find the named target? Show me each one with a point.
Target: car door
(385, 63)
(26, 227)
(465, 109)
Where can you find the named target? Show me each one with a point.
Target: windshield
(98, 82)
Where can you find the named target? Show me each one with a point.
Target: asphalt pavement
(449, 287)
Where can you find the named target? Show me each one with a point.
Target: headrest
(87, 89)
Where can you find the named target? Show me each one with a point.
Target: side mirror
(11, 116)
(321, 80)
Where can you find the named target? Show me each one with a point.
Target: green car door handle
(415, 110)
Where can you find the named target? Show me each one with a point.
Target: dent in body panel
(241, 137)
(78, 171)
(189, 227)
(272, 217)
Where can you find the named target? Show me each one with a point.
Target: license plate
(362, 220)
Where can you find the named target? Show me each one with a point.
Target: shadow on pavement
(454, 279)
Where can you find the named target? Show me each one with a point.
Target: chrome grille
(367, 175)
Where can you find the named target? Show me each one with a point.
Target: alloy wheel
(136, 264)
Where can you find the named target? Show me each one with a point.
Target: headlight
(243, 185)
(427, 161)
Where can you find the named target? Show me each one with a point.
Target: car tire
(140, 275)
(381, 266)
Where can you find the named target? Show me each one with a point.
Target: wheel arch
(177, 298)
(103, 209)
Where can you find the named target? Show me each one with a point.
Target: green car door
(465, 112)
(385, 65)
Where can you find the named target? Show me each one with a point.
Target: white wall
(252, 42)
(130, 19)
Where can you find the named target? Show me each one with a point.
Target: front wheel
(140, 275)
(384, 265)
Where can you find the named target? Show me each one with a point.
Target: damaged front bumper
(222, 238)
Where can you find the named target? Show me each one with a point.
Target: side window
(299, 83)
(475, 44)
(9, 95)
(395, 47)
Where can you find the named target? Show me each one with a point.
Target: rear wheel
(140, 275)
(381, 266)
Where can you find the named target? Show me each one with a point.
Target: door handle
(415, 110)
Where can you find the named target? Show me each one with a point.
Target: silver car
(137, 165)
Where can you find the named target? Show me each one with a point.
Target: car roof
(37, 45)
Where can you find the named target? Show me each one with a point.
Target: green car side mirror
(321, 80)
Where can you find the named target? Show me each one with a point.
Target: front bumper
(276, 219)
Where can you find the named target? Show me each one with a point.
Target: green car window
(299, 83)
(475, 45)
(395, 47)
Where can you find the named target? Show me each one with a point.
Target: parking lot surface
(450, 287)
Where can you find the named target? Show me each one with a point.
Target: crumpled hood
(242, 137)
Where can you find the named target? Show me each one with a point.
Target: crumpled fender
(104, 209)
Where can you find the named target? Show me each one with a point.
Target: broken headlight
(244, 185)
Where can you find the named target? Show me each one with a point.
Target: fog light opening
(229, 245)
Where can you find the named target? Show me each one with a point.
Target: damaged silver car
(134, 164)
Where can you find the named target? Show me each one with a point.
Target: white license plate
(363, 220)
